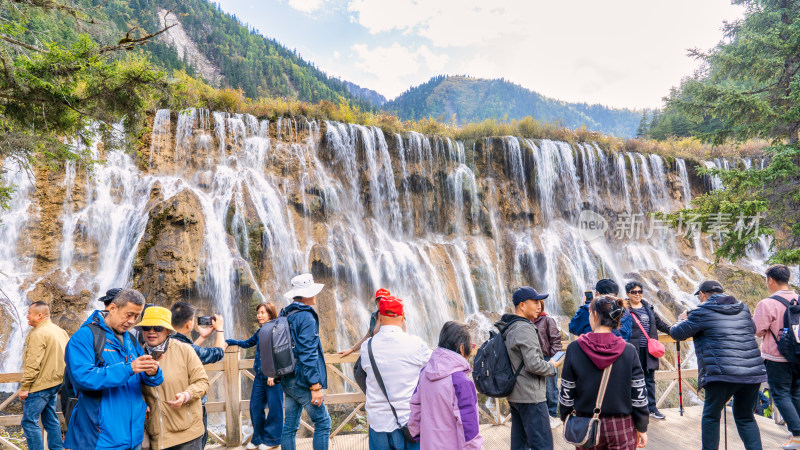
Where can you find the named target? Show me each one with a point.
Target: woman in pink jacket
(445, 404)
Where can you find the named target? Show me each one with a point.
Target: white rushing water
(15, 266)
(450, 230)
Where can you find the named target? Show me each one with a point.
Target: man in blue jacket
(580, 321)
(183, 315)
(728, 361)
(303, 388)
(110, 412)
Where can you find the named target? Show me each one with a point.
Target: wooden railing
(230, 370)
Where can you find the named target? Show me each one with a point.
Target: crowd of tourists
(131, 377)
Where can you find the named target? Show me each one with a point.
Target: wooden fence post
(233, 398)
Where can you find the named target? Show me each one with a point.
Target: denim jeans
(745, 397)
(530, 426)
(784, 388)
(552, 393)
(42, 403)
(266, 430)
(297, 398)
(393, 440)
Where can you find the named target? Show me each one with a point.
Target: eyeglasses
(635, 292)
(157, 328)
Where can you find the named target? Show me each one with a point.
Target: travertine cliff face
(223, 210)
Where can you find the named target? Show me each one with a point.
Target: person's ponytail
(609, 310)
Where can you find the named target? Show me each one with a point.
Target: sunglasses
(635, 292)
(157, 328)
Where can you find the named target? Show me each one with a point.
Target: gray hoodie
(522, 343)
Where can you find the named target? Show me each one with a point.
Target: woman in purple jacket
(445, 404)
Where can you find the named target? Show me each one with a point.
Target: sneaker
(250, 446)
(794, 442)
(657, 415)
(554, 422)
(262, 447)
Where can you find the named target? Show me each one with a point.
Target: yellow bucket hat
(156, 316)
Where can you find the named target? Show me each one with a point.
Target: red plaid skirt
(616, 433)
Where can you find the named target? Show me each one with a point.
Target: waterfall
(452, 227)
(15, 265)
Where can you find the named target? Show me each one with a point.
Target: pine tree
(643, 130)
(750, 86)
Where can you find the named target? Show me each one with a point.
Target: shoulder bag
(584, 432)
(655, 348)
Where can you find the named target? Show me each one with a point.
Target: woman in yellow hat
(175, 421)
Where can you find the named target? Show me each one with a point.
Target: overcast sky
(622, 53)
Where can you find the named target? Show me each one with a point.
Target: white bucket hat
(303, 286)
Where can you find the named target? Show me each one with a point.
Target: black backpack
(492, 371)
(276, 348)
(788, 345)
(67, 393)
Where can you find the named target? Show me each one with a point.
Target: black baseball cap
(709, 286)
(527, 293)
(110, 295)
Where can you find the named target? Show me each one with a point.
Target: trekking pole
(680, 380)
(725, 421)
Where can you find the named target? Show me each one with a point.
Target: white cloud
(306, 6)
(389, 69)
(381, 15)
(619, 53)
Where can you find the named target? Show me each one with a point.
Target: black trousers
(649, 380)
(530, 426)
(745, 397)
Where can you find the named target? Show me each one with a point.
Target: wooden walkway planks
(673, 433)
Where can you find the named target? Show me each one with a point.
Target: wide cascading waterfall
(222, 210)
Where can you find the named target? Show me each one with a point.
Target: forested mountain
(476, 99)
(243, 57)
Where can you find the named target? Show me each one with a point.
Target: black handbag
(584, 432)
(404, 428)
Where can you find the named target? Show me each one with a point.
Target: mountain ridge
(474, 99)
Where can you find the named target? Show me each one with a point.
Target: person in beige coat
(43, 361)
(175, 420)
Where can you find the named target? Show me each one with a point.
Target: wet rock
(746, 286)
(168, 256)
(67, 307)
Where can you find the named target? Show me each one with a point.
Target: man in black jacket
(728, 360)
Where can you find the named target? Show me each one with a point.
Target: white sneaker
(794, 443)
(554, 422)
(262, 447)
(250, 446)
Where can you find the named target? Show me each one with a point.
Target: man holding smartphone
(112, 386)
(580, 321)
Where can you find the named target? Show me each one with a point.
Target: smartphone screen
(589, 296)
(558, 356)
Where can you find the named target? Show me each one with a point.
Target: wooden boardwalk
(673, 433)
